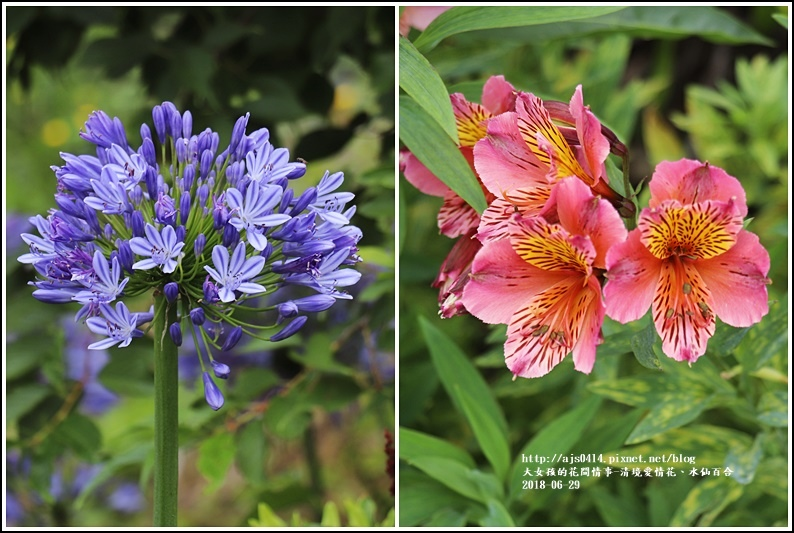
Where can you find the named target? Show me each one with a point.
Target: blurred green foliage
(672, 82)
(307, 429)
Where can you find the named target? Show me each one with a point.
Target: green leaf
(497, 515)
(781, 19)
(468, 18)
(330, 515)
(711, 494)
(471, 396)
(416, 444)
(427, 141)
(421, 82)
(266, 517)
(467, 482)
(556, 439)
(644, 22)
(773, 409)
(673, 412)
(80, 434)
(447, 518)
(613, 510)
(492, 442)
(22, 399)
(250, 455)
(422, 498)
(642, 346)
(744, 461)
(216, 455)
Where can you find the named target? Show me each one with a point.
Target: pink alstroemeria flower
(419, 17)
(456, 218)
(525, 153)
(689, 259)
(543, 281)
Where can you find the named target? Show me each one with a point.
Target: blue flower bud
(108, 231)
(315, 303)
(181, 150)
(146, 133)
(159, 123)
(184, 207)
(268, 250)
(232, 339)
(180, 233)
(210, 291)
(212, 393)
(137, 224)
(187, 125)
(143, 318)
(136, 195)
(238, 132)
(126, 257)
(286, 198)
(171, 291)
(204, 140)
(287, 310)
(206, 163)
(188, 177)
(198, 246)
(176, 126)
(304, 200)
(234, 174)
(164, 209)
(298, 170)
(197, 316)
(176, 333)
(221, 370)
(230, 236)
(203, 194)
(147, 152)
(192, 150)
(290, 329)
(215, 141)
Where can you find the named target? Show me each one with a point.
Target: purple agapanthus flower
(254, 213)
(161, 248)
(204, 224)
(234, 275)
(118, 325)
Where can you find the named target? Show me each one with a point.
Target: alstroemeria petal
(632, 275)
(584, 351)
(456, 217)
(581, 213)
(470, 119)
(682, 310)
(503, 160)
(588, 129)
(550, 247)
(498, 95)
(541, 333)
(737, 281)
(700, 231)
(420, 177)
(501, 282)
(689, 182)
(534, 122)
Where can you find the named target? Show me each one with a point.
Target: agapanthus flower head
(689, 260)
(210, 227)
(543, 281)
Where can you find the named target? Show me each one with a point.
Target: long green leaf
(471, 396)
(425, 138)
(468, 18)
(486, 429)
(556, 439)
(468, 482)
(415, 444)
(421, 82)
(673, 412)
(644, 22)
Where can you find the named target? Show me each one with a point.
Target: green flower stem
(166, 415)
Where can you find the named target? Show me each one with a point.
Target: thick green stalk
(166, 414)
